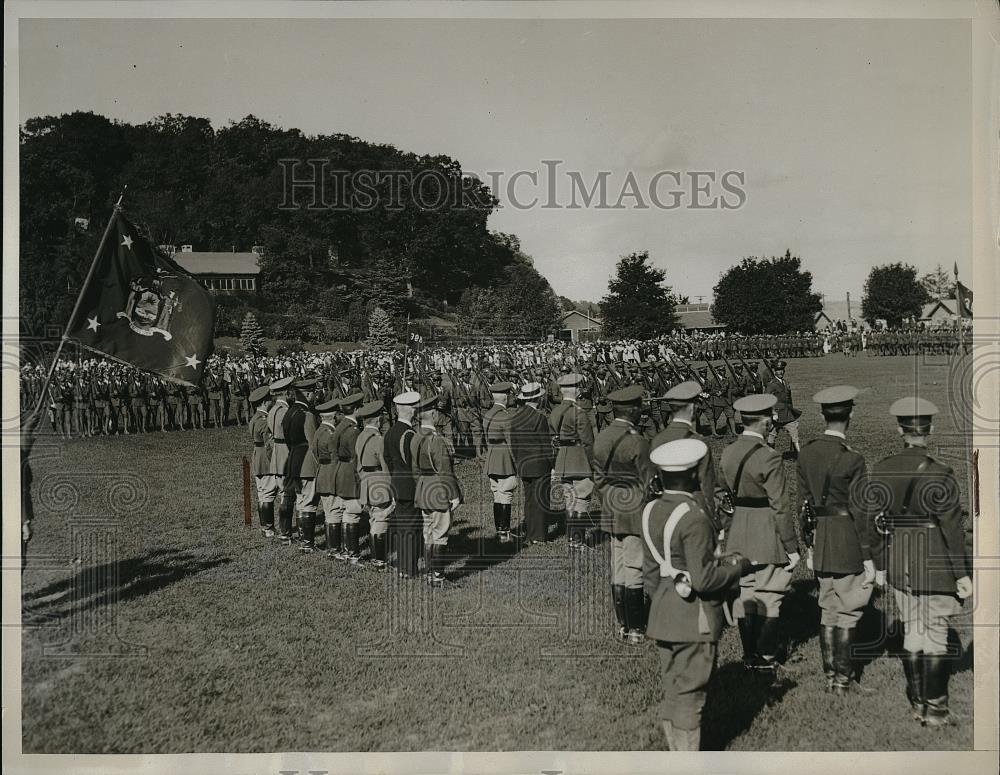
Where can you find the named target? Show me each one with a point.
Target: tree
(380, 333)
(766, 296)
(638, 305)
(521, 305)
(252, 336)
(938, 283)
(893, 294)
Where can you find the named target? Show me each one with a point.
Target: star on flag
(192, 361)
(127, 242)
(92, 323)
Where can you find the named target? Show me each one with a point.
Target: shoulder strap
(908, 495)
(666, 567)
(364, 446)
(614, 448)
(743, 462)
(402, 442)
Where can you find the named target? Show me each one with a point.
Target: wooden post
(246, 492)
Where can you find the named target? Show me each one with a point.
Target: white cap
(679, 455)
(410, 398)
(531, 390)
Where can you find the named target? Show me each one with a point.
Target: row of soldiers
(928, 341)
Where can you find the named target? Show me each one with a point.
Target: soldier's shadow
(735, 697)
(476, 552)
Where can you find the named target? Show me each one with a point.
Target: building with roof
(698, 317)
(220, 272)
(578, 326)
(834, 311)
(939, 311)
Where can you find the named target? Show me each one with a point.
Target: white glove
(880, 578)
(454, 503)
(869, 572)
(809, 559)
(793, 560)
(964, 585)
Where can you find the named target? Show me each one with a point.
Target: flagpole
(966, 440)
(406, 349)
(76, 306)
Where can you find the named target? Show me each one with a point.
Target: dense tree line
(324, 268)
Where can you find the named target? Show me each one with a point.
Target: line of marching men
(690, 548)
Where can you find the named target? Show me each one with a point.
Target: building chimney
(849, 306)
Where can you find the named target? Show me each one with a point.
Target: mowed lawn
(158, 623)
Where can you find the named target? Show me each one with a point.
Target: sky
(853, 136)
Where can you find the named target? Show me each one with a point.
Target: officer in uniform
(762, 530)
(530, 444)
(294, 494)
(406, 522)
(374, 490)
(346, 478)
(323, 446)
(437, 493)
(621, 473)
(926, 562)
(681, 399)
(688, 587)
(786, 416)
(283, 393)
(573, 435)
(214, 384)
(499, 465)
(831, 477)
(260, 462)
(306, 499)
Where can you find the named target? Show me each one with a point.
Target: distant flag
(141, 308)
(963, 295)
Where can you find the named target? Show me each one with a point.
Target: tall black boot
(635, 604)
(285, 519)
(827, 649)
(409, 551)
(937, 670)
(335, 540)
(843, 665)
(621, 610)
(497, 519)
(768, 642)
(913, 669)
(378, 551)
(307, 528)
(748, 638)
(351, 543)
(266, 512)
(505, 509)
(428, 560)
(438, 563)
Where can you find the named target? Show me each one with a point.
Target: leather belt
(562, 443)
(896, 521)
(753, 503)
(369, 469)
(280, 441)
(258, 443)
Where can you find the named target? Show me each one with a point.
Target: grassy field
(158, 623)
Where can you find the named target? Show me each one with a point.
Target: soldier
(260, 462)
(213, 387)
(437, 493)
(681, 398)
(499, 465)
(574, 437)
(323, 446)
(762, 530)
(293, 491)
(346, 482)
(688, 587)
(175, 406)
(621, 473)
(406, 524)
(530, 444)
(785, 415)
(375, 491)
(830, 477)
(196, 405)
(446, 405)
(306, 499)
(927, 562)
(283, 393)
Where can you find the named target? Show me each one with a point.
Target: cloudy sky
(854, 136)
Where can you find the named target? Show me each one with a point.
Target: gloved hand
(735, 559)
(869, 572)
(793, 560)
(964, 586)
(454, 503)
(880, 578)
(809, 559)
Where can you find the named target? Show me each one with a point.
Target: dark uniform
(406, 528)
(374, 490)
(530, 443)
(787, 416)
(573, 435)
(260, 463)
(498, 464)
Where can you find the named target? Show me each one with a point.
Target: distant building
(698, 317)
(939, 311)
(846, 311)
(579, 327)
(221, 272)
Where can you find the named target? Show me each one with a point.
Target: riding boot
(827, 649)
(618, 598)
(351, 542)
(307, 526)
(635, 604)
(378, 550)
(334, 536)
(748, 637)
(936, 672)
(498, 519)
(913, 669)
(285, 518)
(842, 662)
(505, 509)
(768, 642)
(428, 560)
(266, 512)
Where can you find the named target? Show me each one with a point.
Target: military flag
(964, 297)
(140, 308)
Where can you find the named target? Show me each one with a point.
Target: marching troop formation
(693, 543)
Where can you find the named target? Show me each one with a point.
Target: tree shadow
(117, 581)
(735, 697)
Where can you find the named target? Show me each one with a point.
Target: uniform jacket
(260, 463)
(373, 472)
(323, 446)
(498, 462)
(347, 473)
(529, 438)
(676, 429)
(575, 434)
(399, 459)
(927, 559)
(692, 549)
(763, 529)
(433, 467)
(842, 534)
(275, 418)
(310, 465)
(293, 430)
(622, 471)
(783, 409)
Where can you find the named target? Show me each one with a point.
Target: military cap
(912, 406)
(409, 398)
(603, 405)
(427, 402)
(679, 455)
(531, 390)
(683, 393)
(282, 384)
(352, 400)
(306, 384)
(501, 387)
(779, 365)
(838, 394)
(570, 380)
(328, 406)
(761, 403)
(631, 394)
(371, 409)
(260, 394)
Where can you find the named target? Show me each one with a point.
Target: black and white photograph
(557, 387)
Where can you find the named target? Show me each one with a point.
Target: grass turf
(158, 623)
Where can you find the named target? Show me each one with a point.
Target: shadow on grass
(117, 581)
(735, 697)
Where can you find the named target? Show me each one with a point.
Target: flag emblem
(150, 306)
